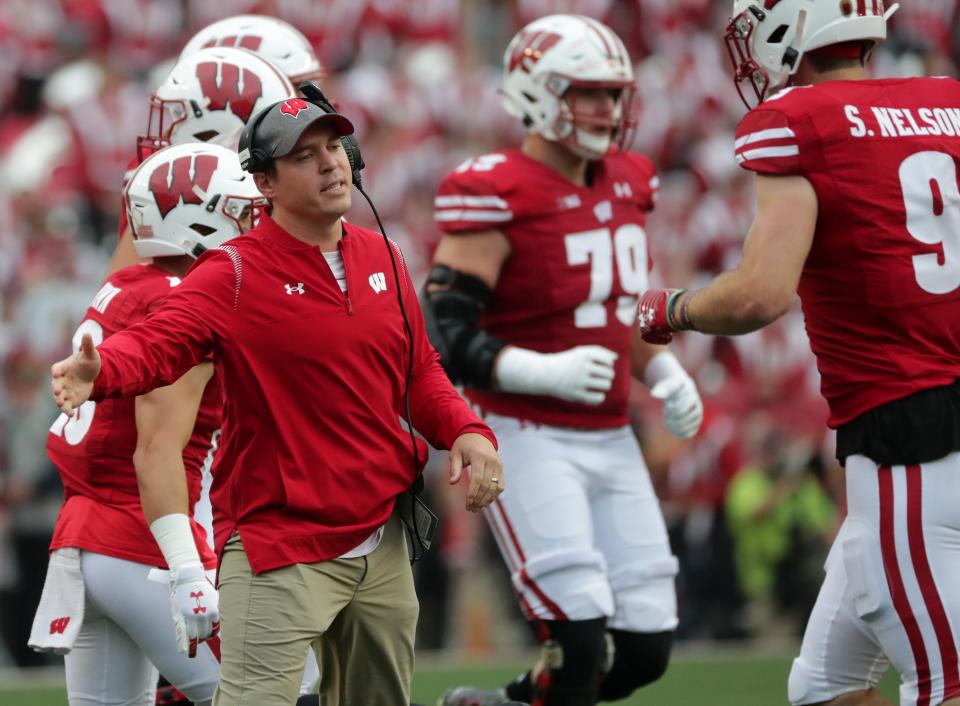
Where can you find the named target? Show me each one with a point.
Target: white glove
(194, 602)
(193, 599)
(682, 407)
(582, 374)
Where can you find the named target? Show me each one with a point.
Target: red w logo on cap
(169, 192)
(293, 106)
(530, 48)
(227, 91)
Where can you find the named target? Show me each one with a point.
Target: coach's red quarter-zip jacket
(313, 451)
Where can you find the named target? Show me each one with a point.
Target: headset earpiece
(252, 158)
(352, 148)
(312, 93)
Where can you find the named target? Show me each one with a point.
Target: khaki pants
(360, 615)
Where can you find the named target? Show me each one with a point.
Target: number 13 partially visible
(627, 247)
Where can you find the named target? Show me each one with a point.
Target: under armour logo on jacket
(298, 289)
(58, 625)
(378, 282)
(197, 595)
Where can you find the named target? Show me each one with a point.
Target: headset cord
(417, 485)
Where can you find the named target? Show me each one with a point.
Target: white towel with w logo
(60, 613)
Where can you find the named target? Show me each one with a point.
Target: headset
(254, 159)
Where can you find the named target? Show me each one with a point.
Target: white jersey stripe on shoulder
(472, 201)
(473, 215)
(768, 153)
(777, 133)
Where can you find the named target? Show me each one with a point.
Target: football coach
(305, 317)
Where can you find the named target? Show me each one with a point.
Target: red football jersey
(94, 450)
(881, 286)
(578, 260)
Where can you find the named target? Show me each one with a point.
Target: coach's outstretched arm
(73, 377)
(157, 351)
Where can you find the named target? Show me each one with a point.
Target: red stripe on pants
(502, 540)
(931, 597)
(861, 7)
(888, 548)
(558, 614)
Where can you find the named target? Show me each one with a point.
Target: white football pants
(580, 527)
(892, 590)
(127, 635)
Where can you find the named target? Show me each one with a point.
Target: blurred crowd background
(752, 502)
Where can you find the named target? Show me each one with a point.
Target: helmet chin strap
(590, 146)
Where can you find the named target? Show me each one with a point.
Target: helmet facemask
(767, 39)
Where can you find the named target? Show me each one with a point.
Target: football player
(858, 211)
(131, 468)
(531, 300)
(227, 90)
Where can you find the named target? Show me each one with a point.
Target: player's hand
(486, 470)
(582, 374)
(72, 378)
(652, 315)
(682, 406)
(194, 602)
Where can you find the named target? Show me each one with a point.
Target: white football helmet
(767, 39)
(275, 40)
(188, 198)
(555, 53)
(210, 95)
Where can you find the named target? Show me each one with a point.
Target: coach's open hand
(73, 377)
(486, 471)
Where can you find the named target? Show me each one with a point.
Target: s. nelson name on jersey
(578, 260)
(881, 286)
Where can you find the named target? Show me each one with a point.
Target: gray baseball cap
(275, 131)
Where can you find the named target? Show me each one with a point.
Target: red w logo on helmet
(227, 90)
(530, 47)
(293, 106)
(169, 191)
(244, 41)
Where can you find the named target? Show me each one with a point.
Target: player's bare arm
(764, 285)
(72, 378)
(480, 254)
(165, 421)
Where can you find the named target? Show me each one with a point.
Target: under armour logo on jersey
(622, 189)
(58, 625)
(298, 289)
(570, 201)
(174, 281)
(378, 282)
(197, 595)
(603, 211)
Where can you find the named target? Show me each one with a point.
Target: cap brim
(340, 124)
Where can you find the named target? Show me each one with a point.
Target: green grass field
(723, 680)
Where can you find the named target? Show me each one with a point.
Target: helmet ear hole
(777, 35)
(202, 229)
